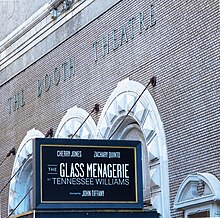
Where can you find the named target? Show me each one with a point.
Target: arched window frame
(192, 202)
(147, 116)
(20, 184)
(71, 121)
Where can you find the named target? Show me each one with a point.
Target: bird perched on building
(153, 81)
(12, 151)
(49, 133)
(70, 135)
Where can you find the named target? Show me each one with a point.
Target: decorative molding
(146, 114)
(36, 37)
(72, 120)
(36, 18)
(155, 176)
(189, 196)
(147, 120)
(21, 181)
(153, 150)
(30, 23)
(34, 30)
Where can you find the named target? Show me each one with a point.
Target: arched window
(199, 196)
(71, 122)
(22, 182)
(130, 130)
(22, 168)
(144, 124)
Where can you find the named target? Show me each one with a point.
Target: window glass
(199, 215)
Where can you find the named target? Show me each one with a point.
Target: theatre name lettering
(110, 42)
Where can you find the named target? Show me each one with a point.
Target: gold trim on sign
(41, 189)
(22, 214)
(90, 146)
(135, 166)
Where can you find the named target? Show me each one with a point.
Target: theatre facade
(144, 70)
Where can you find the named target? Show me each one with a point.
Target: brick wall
(181, 50)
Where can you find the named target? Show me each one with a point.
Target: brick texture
(182, 50)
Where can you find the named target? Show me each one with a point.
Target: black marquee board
(87, 174)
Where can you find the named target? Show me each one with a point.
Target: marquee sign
(73, 173)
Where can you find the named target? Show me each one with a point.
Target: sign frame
(42, 144)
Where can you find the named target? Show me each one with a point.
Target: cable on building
(12, 151)
(15, 174)
(95, 109)
(20, 202)
(153, 83)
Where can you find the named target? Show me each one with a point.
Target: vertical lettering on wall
(22, 98)
(9, 105)
(152, 17)
(123, 35)
(39, 89)
(105, 45)
(114, 40)
(47, 82)
(71, 67)
(64, 71)
(141, 22)
(131, 22)
(56, 76)
(16, 102)
(95, 50)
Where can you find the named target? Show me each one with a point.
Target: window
(143, 123)
(198, 196)
(199, 215)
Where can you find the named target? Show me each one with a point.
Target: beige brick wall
(181, 50)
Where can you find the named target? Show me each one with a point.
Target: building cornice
(35, 29)
(28, 43)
